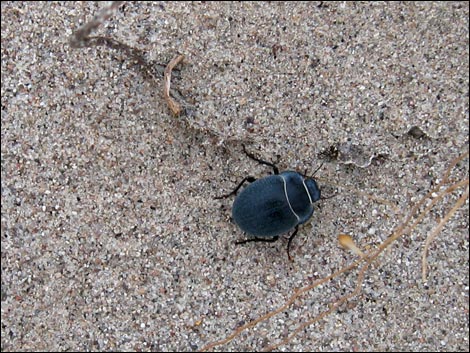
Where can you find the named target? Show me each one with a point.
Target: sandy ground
(110, 235)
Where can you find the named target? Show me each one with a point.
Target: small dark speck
(276, 48)
(416, 132)
(3, 294)
(250, 120)
(241, 323)
(314, 63)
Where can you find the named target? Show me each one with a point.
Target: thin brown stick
(334, 306)
(437, 230)
(174, 106)
(270, 314)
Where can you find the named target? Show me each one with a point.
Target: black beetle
(273, 205)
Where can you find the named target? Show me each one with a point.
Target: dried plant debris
(174, 106)
(153, 71)
(81, 37)
(350, 153)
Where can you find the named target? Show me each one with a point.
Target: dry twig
(438, 229)
(175, 107)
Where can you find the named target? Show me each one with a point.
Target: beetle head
(313, 189)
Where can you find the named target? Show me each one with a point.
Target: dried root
(174, 106)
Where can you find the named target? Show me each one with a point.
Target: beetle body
(273, 205)
(276, 204)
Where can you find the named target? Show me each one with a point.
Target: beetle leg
(266, 240)
(290, 241)
(272, 165)
(316, 170)
(250, 179)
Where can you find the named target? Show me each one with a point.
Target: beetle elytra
(273, 205)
